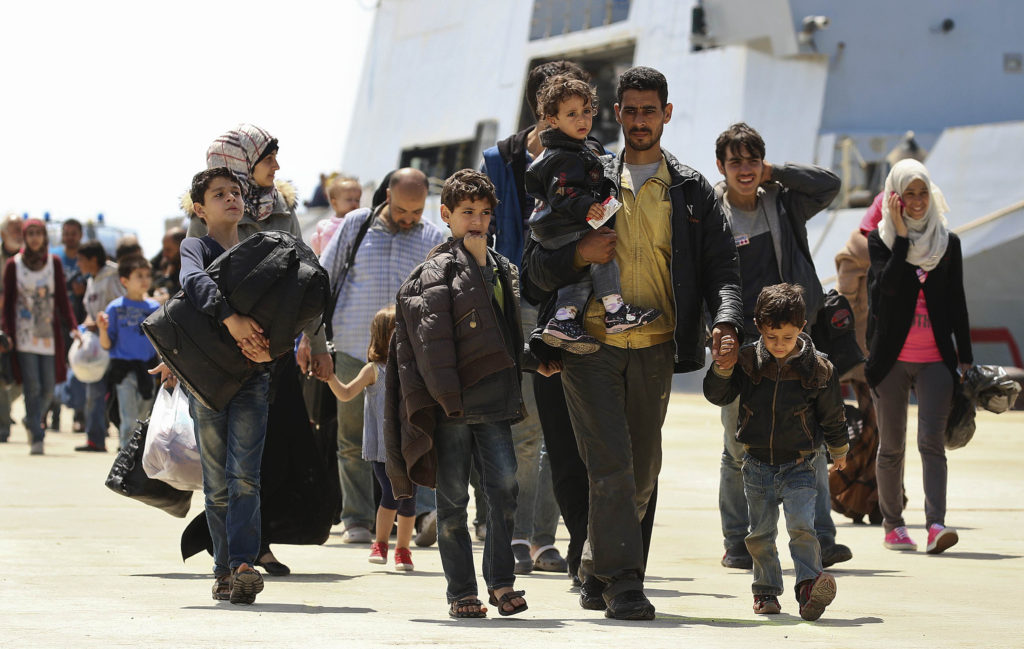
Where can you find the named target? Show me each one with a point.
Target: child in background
(344, 194)
(568, 181)
(789, 394)
(371, 379)
(131, 353)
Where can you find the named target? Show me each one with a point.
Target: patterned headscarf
(240, 149)
(928, 235)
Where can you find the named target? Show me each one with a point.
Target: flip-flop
(454, 612)
(507, 599)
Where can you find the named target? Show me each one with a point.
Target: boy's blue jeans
(131, 406)
(489, 446)
(231, 450)
(793, 486)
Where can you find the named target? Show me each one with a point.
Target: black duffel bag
(271, 277)
(128, 478)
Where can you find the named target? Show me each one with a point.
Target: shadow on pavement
(490, 622)
(665, 592)
(980, 556)
(259, 607)
(864, 572)
(302, 578)
(667, 621)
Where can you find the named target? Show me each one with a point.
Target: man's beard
(654, 138)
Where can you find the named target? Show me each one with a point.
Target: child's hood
(811, 366)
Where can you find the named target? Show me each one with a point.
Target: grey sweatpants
(933, 385)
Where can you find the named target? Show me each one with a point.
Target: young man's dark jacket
(454, 355)
(893, 287)
(704, 265)
(784, 406)
(799, 192)
(565, 180)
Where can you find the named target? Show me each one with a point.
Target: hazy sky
(109, 106)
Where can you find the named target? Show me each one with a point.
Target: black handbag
(128, 478)
(960, 426)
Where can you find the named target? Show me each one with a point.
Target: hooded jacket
(566, 180)
(454, 355)
(784, 406)
(704, 266)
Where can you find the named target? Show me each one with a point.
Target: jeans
(426, 501)
(489, 446)
(732, 504)
(536, 510)
(355, 473)
(793, 486)
(131, 406)
(933, 385)
(618, 430)
(8, 393)
(231, 450)
(37, 377)
(96, 413)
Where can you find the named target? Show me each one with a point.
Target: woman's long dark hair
(36, 259)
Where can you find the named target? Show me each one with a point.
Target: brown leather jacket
(454, 355)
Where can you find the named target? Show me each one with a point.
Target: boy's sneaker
(570, 336)
(941, 538)
(627, 317)
(738, 558)
(815, 595)
(36, 448)
(403, 560)
(246, 583)
(379, 552)
(835, 553)
(767, 605)
(898, 539)
(222, 587)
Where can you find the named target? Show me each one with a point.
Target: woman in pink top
(917, 308)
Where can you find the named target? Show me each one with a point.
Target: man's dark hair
(642, 78)
(72, 222)
(560, 88)
(541, 73)
(739, 135)
(93, 249)
(127, 265)
(201, 182)
(779, 305)
(467, 184)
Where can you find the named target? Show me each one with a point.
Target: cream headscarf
(240, 150)
(928, 235)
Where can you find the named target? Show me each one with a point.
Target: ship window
(604, 67)
(441, 160)
(557, 17)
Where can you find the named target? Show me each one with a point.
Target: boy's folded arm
(426, 309)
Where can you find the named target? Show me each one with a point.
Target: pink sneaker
(941, 538)
(403, 560)
(898, 539)
(378, 553)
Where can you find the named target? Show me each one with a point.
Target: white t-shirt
(33, 327)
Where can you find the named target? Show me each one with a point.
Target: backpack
(272, 277)
(833, 333)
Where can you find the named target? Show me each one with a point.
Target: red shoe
(941, 538)
(403, 560)
(379, 552)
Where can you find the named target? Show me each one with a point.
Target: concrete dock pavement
(83, 567)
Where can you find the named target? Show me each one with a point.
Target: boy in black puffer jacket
(569, 184)
(789, 394)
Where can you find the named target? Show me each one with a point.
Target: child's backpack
(271, 277)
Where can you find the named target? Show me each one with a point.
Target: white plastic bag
(87, 358)
(171, 452)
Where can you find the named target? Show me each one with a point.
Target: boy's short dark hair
(779, 305)
(73, 223)
(127, 265)
(541, 73)
(93, 249)
(201, 182)
(642, 78)
(736, 136)
(561, 88)
(127, 246)
(467, 184)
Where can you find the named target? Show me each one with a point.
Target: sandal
(457, 609)
(506, 600)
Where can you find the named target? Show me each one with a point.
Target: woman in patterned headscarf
(251, 153)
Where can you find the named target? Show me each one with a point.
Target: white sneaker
(357, 535)
(36, 448)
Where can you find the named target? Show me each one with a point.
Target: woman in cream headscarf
(917, 306)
